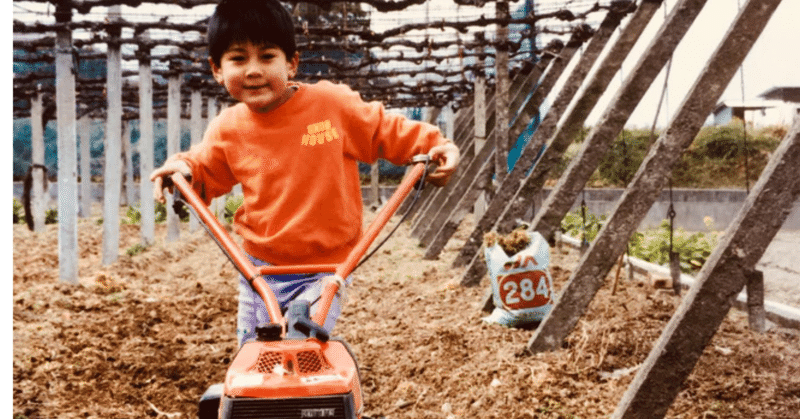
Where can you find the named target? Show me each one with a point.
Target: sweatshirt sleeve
(377, 133)
(211, 175)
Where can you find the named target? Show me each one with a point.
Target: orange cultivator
(293, 369)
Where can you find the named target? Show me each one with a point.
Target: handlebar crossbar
(340, 271)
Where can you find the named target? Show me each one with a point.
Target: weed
(51, 216)
(18, 217)
(134, 215)
(136, 249)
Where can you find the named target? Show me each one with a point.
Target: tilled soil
(146, 335)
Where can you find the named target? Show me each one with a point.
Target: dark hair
(262, 22)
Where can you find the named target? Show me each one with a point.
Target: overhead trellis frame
(450, 86)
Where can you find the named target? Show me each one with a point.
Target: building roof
(748, 105)
(782, 93)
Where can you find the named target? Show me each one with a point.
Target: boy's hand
(446, 156)
(157, 177)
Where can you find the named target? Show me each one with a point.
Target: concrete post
(196, 131)
(756, 314)
(127, 164)
(501, 100)
(173, 145)
(146, 143)
(38, 169)
(112, 175)
(67, 148)
(84, 133)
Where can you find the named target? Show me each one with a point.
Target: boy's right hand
(157, 177)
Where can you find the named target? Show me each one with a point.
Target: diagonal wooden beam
(444, 230)
(650, 179)
(698, 317)
(593, 50)
(521, 84)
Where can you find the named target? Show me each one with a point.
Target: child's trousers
(253, 311)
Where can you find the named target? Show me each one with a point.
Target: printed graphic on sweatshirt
(320, 133)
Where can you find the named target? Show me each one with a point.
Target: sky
(771, 62)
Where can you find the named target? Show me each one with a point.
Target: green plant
(136, 249)
(134, 215)
(624, 158)
(51, 216)
(161, 212)
(692, 248)
(650, 245)
(18, 216)
(573, 225)
(231, 205)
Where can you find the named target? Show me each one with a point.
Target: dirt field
(145, 336)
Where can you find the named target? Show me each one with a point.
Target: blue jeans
(253, 311)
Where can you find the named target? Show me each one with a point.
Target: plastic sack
(522, 288)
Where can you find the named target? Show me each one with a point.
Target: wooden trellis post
(38, 171)
(444, 230)
(173, 145)
(472, 161)
(67, 148)
(673, 357)
(651, 177)
(524, 188)
(475, 169)
(469, 252)
(613, 119)
(84, 133)
(112, 175)
(146, 147)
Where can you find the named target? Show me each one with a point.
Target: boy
(294, 148)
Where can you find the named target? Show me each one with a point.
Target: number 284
(524, 290)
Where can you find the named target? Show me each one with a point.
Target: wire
(419, 187)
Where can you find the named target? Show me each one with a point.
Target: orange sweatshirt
(298, 168)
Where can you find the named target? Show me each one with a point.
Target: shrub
(624, 157)
(650, 245)
(573, 225)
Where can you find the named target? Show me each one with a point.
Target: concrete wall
(692, 206)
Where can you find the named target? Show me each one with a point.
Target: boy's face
(256, 75)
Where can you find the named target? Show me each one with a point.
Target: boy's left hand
(446, 156)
